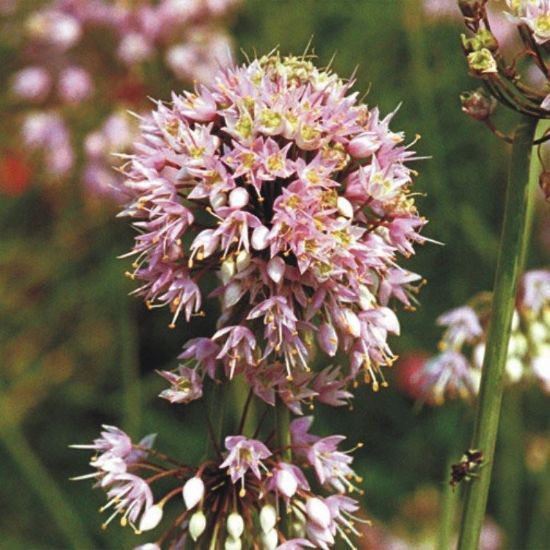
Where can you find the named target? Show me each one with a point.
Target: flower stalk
(509, 265)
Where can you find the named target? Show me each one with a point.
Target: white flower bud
(151, 518)
(218, 200)
(227, 270)
(197, 525)
(366, 298)
(268, 518)
(276, 269)
(238, 197)
(233, 544)
(259, 237)
(286, 483)
(232, 294)
(270, 540)
(317, 511)
(351, 322)
(193, 492)
(243, 260)
(344, 207)
(235, 525)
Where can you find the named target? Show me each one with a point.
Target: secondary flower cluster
(298, 196)
(248, 486)
(522, 86)
(457, 369)
(64, 76)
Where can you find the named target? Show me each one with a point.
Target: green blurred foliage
(76, 351)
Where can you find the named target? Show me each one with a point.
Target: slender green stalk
(509, 466)
(509, 264)
(449, 505)
(40, 481)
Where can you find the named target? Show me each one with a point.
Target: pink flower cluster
(457, 369)
(247, 485)
(65, 70)
(278, 193)
(299, 198)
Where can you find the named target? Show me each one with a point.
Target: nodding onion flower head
(457, 369)
(298, 196)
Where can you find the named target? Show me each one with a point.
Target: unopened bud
(242, 261)
(197, 525)
(344, 207)
(227, 270)
(478, 104)
(268, 518)
(232, 294)
(218, 200)
(259, 237)
(239, 197)
(193, 492)
(235, 525)
(232, 544)
(487, 39)
(317, 511)
(276, 269)
(270, 540)
(482, 62)
(151, 518)
(471, 8)
(351, 323)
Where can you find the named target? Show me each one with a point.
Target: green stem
(449, 502)
(509, 466)
(39, 479)
(509, 265)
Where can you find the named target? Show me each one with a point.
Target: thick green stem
(509, 264)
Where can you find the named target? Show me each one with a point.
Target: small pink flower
(244, 454)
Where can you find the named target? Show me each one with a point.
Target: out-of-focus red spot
(130, 91)
(15, 174)
(407, 373)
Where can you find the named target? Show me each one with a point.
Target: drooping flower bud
(351, 322)
(227, 270)
(478, 104)
(235, 525)
(259, 237)
(276, 269)
(268, 518)
(317, 511)
(344, 207)
(328, 339)
(232, 294)
(151, 518)
(363, 145)
(232, 544)
(193, 492)
(197, 525)
(270, 540)
(242, 261)
(239, 197)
